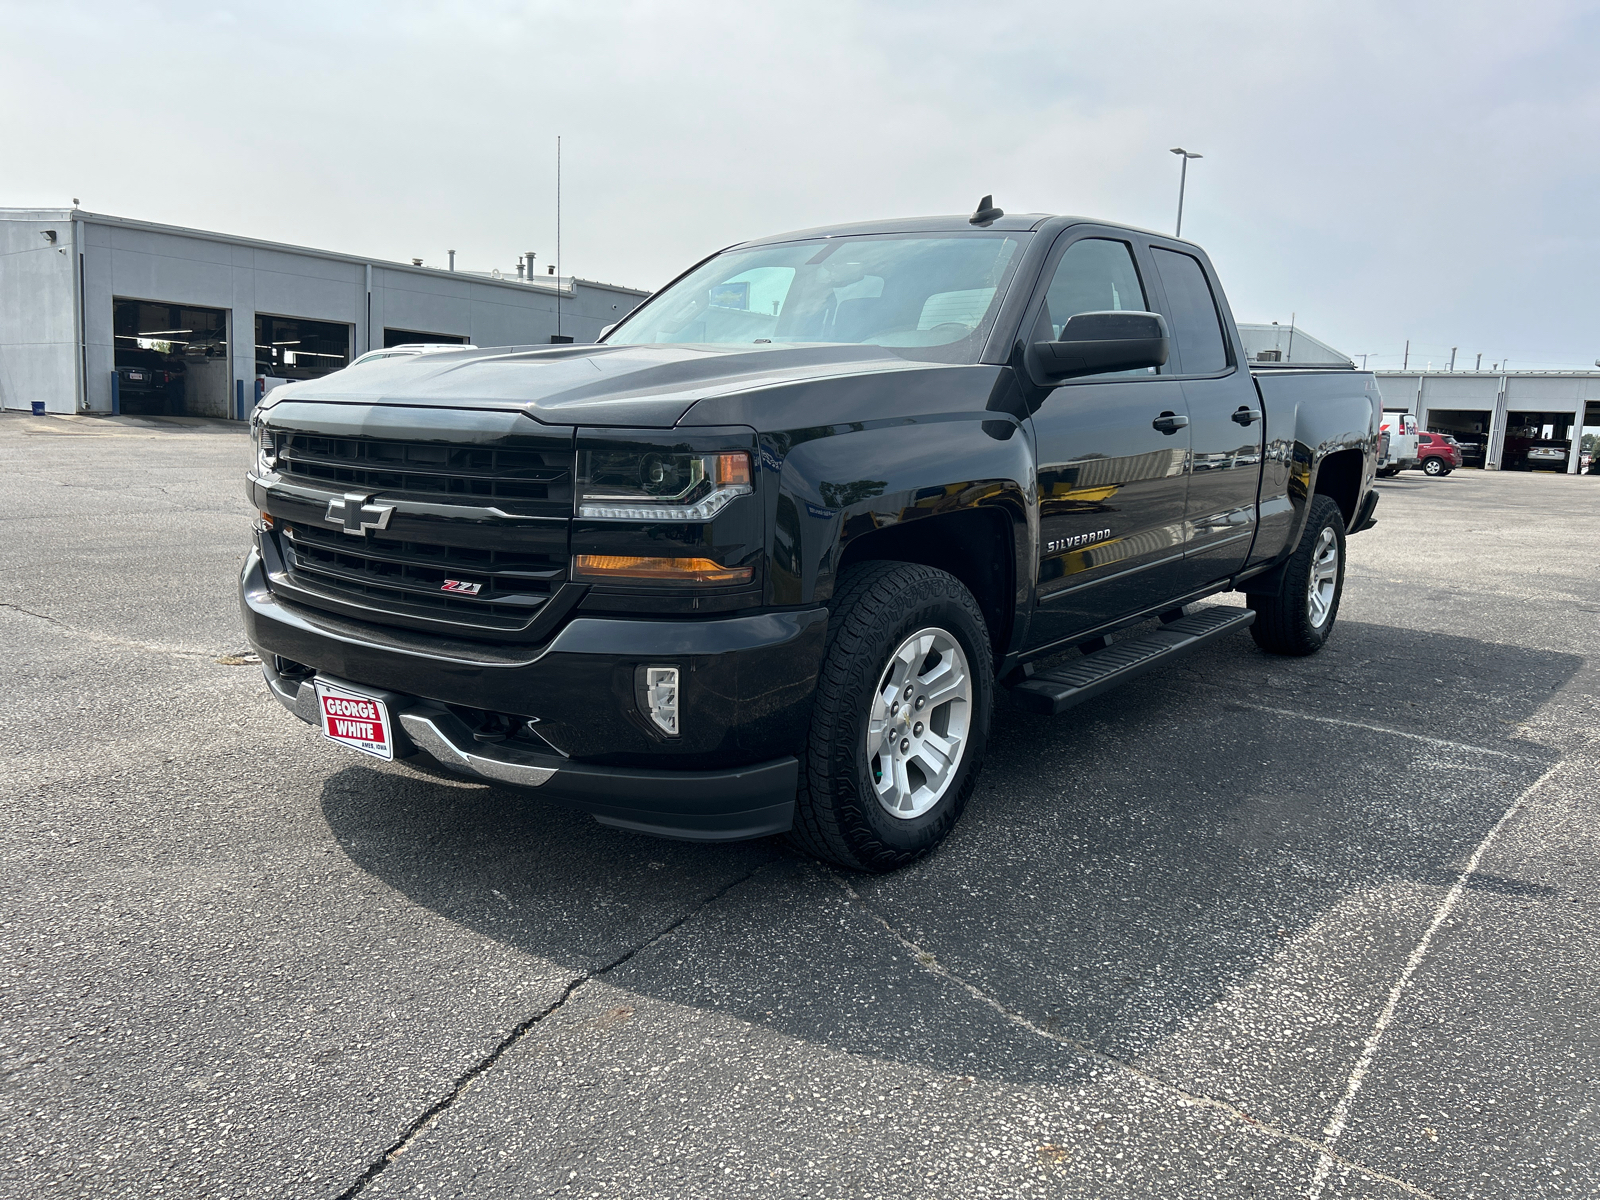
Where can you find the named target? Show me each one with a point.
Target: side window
(1196, 327)
(1094, 275)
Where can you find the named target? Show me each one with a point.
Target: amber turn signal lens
(733, 469)
(266, 520)
(616, 568)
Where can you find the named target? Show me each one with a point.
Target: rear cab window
(1196, 323)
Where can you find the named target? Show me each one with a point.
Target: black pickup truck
(758, 561)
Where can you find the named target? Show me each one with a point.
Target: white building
(1489, 407)
(100, 312)
(1277, 343)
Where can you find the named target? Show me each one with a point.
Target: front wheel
(1299, 618)
(1434, 466)
(900, 719)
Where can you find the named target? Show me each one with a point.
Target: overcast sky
(1383, 170)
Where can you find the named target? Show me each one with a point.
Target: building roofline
(93, 218)
(1575, 373)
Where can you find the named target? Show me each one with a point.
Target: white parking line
(1442, 743)
(1358, 1074)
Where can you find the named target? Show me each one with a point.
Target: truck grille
(429, 470)
(409, 577)
(476, 544)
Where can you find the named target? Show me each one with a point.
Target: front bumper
(744, 802)
(745, 702)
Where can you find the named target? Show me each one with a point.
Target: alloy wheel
(1324, 581)
(917, 729)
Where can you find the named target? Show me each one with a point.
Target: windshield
(924, 296)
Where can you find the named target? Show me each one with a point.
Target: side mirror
(1093, 343)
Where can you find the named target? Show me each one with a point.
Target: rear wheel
(1299, 618)
(1434, 466)
(900, 720)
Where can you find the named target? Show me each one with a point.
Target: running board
(1052, 692)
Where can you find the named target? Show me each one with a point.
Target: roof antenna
(987, 213)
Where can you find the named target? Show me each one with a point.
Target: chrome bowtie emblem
(357, 516)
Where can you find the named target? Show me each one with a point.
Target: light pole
(558, 237)
(1183, 178)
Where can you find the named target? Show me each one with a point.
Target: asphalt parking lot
(1257, 927)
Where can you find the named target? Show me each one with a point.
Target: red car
(1437, 453)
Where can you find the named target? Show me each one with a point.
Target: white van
(1400, 450)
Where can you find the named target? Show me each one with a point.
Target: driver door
(1113, 455)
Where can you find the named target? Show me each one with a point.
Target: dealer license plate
(357, 721)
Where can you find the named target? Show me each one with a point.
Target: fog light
(658, 695)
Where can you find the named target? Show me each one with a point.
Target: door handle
(1169, 422)
(1246, 415)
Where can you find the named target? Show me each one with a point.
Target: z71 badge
(461, 585)
(1057, 545)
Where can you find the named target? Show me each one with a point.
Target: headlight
(659, 485)
(266, 446)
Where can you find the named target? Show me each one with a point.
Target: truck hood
(632, 386)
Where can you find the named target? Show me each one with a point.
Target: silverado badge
(1058, 545)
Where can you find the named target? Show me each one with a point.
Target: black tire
(1388, 472)
(876, 608)
(1434, 466)
(1285, 623)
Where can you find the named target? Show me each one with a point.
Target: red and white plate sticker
(359, 722)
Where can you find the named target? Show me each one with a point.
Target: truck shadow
(1121, 877)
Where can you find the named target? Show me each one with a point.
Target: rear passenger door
(1112, 453)
(1224, 418)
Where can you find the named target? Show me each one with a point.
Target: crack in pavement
(1340, 1117)
(107, 639)
(1183, 1095)
(484, 1065)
